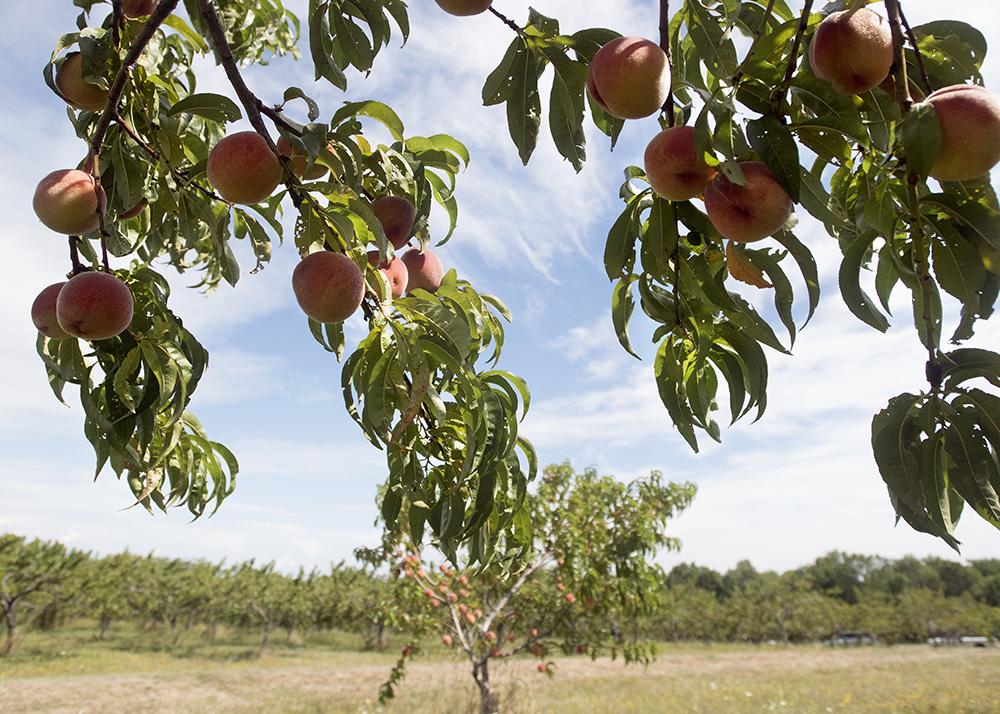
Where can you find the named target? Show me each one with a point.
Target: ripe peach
(750, 212)
(300, 160)
(94, 306)
(970, 131)
(396, 214)
(852, 49)
(629, 77)
(43, 313)
(424, 270)
(75, 90)
(447, 640)
(66, 202)
(243, 169)
(542, 667)
(536, 650)
(395, 272)
(570, 598)
(328, 286)
(673, 167)
(139, 8)
(464, 8)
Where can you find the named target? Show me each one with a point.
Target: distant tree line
(904, 600)
(45, 585)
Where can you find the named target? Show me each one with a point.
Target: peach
(300, 160)
(629, 77)
(94, 306)
(139, 8)
(43, 313)
(328, 286)
(75, 90)
(464, 8)
(424, 270)
(970, 131)
(852, 49)
(243, 169)
(396, 214)
(673, 167)
(750, 212)
(395, 272)
(66, 201)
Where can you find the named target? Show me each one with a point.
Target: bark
(489, 699)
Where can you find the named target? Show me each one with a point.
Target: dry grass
(226, 679)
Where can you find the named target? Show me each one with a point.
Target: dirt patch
(344, 688)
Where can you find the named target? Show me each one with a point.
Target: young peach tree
(879, 129)
(587, 575)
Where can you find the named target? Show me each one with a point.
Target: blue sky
(793, 486)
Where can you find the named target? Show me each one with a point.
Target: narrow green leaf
(622, 304)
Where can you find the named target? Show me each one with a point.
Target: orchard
(879, 130)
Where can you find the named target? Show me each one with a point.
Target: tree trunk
(11, 628)
(378, 638)
(105, 624)
(489, 700)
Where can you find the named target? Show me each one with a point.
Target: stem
(225, 56)
(779, 97)
(507, 21)
(898, 59)
(916, 51)
(110, 113)
(919, 250)
(668, 105)
(758, 33)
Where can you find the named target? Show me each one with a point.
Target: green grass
(138, 672)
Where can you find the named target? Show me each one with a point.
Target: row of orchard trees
(904, 600)
(45, 583)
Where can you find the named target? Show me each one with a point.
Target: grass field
(140, 673)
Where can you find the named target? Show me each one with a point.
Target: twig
(668, 105)
(779, 97)
(225, 56)
(916, 51)
(507, 21)
(919, 250)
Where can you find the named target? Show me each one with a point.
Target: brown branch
(779, 98)
(919, 250)
(916, 51)
(110, 113)
(898, 59)
(507, 21)
(668, 105)
(225, 57)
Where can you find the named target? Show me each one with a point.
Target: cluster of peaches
(328, 286)
(630, 78)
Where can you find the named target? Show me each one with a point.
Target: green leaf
(214, 107)
(974, 474)
(666, 370)
(921, 138)
(524, 106)
(622, 304)
(820, 204)
(619, 251)
(774, 143)
(177, 23)
(382, 113)
(566, 106)
(895, 440)
(855, 297)
(713, 43)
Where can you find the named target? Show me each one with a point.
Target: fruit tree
(880, 130)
